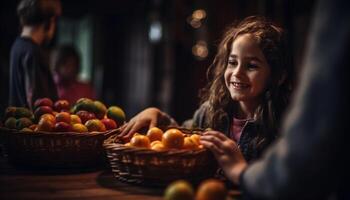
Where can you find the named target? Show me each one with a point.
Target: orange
(154, 134)
(179, 190)
(127, 144)
(80, 128)
(156, 142)
(190, 144)
(158, 146)
(140, 141)
(45, 125)
(173, 139)
(211, 189)
(49, 116)
(196, 138)
(63, 117)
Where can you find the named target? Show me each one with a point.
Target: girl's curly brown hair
(271, 40)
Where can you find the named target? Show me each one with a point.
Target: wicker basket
(52, 150)
(149, 167)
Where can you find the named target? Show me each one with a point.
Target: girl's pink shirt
(237, 127)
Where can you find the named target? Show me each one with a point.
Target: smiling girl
(248, 91)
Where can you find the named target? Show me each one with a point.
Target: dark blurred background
(141, 53)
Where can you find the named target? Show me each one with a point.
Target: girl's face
(247, 72)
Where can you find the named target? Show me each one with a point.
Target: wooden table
(18, 184)
(25, 184)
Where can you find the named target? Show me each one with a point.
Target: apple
(61, 105)
(109, 123)
(85, 116)
(62, 127)
(43, 102)
(42, 110)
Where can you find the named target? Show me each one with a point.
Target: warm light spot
(200, 49)
(199, 14)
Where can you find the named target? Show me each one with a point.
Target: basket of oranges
(57, 135)
(160, 156)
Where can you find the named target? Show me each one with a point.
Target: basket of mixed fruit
(160, 156)
(58, 135)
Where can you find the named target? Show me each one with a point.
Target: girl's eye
(232, 63)
(252, 66)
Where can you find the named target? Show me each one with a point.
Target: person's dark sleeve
(307, 161)
(29, 67)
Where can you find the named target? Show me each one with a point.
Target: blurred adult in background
(311, 160)
(30, 76)
(65, 64)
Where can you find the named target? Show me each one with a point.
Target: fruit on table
(211, 189)
(84, 104)
(62, 127)
(61, 105)
(10, 112)
(190, 144)
(45, 125)
(109, 123)
(63, 117)
(117, 114)
(80, 128)
(179, 190)
(85, 116)
(11, 123)
(173, 139)
(23, 122)
(49, 116)
(196, 138)
(75, 119)
(154, 134)
(42, 110)
(43, 102)
(140, 141)
(95, 125)
(99, 109)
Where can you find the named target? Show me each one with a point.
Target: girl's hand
(226, 152)
(148, 118)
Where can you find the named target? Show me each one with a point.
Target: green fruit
(23, 112)
(11, 123)
(179, 190)
(100, 109)
(117, 114)
(10, 112)
(23, 123)
(85, 104)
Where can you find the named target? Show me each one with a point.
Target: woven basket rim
(111, 144)
(58, 134)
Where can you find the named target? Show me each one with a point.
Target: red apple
(109, 123)
(42, 110)
(62, 127)
(43, 102)
(85, 116)
(61, 105)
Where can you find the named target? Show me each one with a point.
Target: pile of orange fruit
(158, 140)
(84, 116)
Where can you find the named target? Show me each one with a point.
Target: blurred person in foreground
(65, 64)
(30, 76)
(310, 160)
